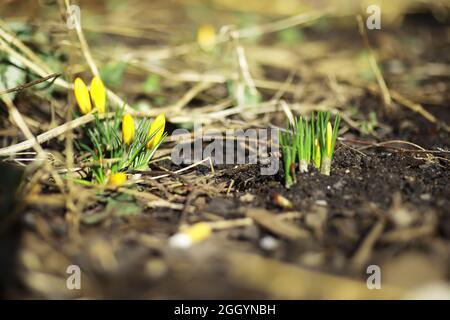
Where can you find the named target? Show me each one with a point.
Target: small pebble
(425, 196)
(281, 201)
(180, 241)
(268, 243)
(322, 203)
(338, 185)
(248, 197)
(156, 268)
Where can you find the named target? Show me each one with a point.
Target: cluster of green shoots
(308, 142)
(114, 147)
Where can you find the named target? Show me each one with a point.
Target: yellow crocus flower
(117, 179)
(329, 135)
(98, 94)
(158, 127)
(127, 128)
(206, 37)
(82, 96)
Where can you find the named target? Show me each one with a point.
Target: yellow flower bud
(98, 94)
(190, 235)
(198, 231)
(329, 135)
(82, 96)
(117, 179)
(206, 37)
(317, 155)
(127, 128)
(158, 127)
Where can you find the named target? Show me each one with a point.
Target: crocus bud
(127, 128)
(157, 130)
(329, 135)
(117, 179)
(82, 96)
(98, 94)
(206, 37)
(191, 235)
(317, 155)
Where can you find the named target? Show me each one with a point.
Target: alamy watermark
(73, 16)
(374, 19)
(235, 146)
(374, 280)
(73, 281)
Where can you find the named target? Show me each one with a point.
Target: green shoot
(285, 140)
(327, 136)
(306, 142)
(303, 143)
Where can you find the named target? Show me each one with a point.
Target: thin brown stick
(83, 44)
(21, 87)
(189, 95)
(268, 221)
(42, 70)
(373, 144)
(14, 41)
(374, 65)
(46, 136)
(52, 133)
(19, 121)
(402, 100)
(362, 255)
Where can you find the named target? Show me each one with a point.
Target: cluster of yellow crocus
(95, 97)
(85, 97)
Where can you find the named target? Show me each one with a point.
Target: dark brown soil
(410, 190)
